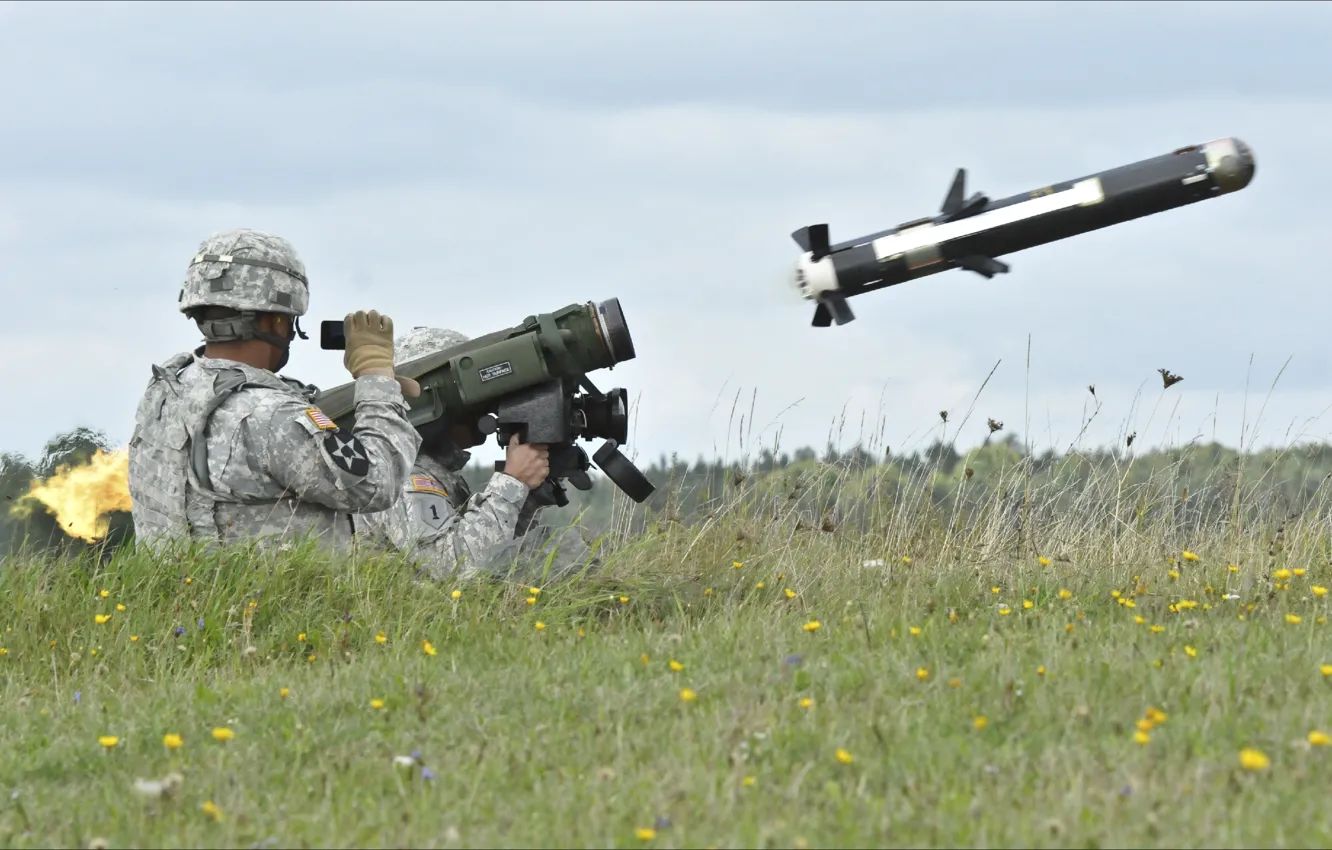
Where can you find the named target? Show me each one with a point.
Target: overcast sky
(467, 165)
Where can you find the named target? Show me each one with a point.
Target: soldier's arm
(424, 524)
(303, 451)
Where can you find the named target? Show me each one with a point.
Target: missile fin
(837, 306)
(822, 318)
(953, 200)
(954, 207)
(986, 267)
(814, 239)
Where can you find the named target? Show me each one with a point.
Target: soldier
(449, 530)
(225, 450)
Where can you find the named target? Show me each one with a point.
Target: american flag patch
(426, 484)
(321, 421)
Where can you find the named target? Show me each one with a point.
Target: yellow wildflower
(222, 733)
(1190, 652)
(108, 741)
(812, 626)
(748, 781)
(101, 618)
(1040, 671)
(1157, 716)
(980, 722)
(381, 638)
(737, 564)
(675, 665)
(172, 742)
(645, 833)
(210, 808)
(283, 692)
(1065, 593)
(1318, 590)
(1189, 556)
(300, 638)
(915, 631)
(540, 625)
(954, 683)
(120, 606)
(1319, 739)
(1142, 737)
(707, 591)
(1068, 627)
(688, 695)
(1293, 619)
(1158, 628)
(1043, 561)
(644, 658)
(624, 600)
(1004, 610)
(1251, 759)
(1233, 568)
(1281, 575)
(428, 647)
(758, 586)
(134, 638)
(535, 591)
(922, 674)
(1174, 574)
(844, 757)
(995, 590)
(531, 600)
(376, 703)
(906, 559)
(457, 594)
(1325, 669)
(790, 594)
(807, 702)
(310, 659)
(1298, 571)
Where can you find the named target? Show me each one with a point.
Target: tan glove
(370, 349)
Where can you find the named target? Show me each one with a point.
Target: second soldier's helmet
(422, 342)
(247, 271)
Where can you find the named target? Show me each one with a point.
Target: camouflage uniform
(452, 532)
(225, 452)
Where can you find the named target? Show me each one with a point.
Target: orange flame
(81, 497)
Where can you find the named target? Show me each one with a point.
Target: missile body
(969, 234)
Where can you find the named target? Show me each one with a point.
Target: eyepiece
(615, 331)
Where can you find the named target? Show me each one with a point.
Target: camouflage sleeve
(424, 524)
(297, 447)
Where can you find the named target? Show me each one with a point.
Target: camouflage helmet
(422, 342)
(247, 271)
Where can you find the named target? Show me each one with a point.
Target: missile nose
(1232, 163)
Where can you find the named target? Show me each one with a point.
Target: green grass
(577, 735)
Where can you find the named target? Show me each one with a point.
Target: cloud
(559, 154)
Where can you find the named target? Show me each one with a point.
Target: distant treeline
(1199, 483)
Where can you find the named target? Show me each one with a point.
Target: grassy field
(757, 678)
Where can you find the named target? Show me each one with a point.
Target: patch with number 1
(431, 509)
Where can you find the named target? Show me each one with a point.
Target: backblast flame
(81, 497)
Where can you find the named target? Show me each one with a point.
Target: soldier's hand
(370, 348)
(528, 463)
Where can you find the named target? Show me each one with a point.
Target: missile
(971, 232)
